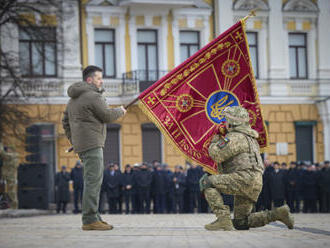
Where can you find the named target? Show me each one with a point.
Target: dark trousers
(144, 200)
(128, 199)
(160, 203)
(101, 201)
(61, 205)
(278, 203)
(179, 201)
(77, 197)
(170, 202)
(292, 195)
(113, 204)
(194, 201)
(325, 202)
(310, 206)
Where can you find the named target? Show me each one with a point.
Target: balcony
(143, 79)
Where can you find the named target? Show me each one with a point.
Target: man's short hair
(89, 71)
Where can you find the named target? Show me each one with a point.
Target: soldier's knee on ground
(241, 224)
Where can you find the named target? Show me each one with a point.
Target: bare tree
(29, 66)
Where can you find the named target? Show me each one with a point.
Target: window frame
(296, 55)
(42, 42)
(190, 44)
(256, 46)
(103, 44)
(146, 44)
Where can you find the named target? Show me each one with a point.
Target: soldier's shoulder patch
(222, 142)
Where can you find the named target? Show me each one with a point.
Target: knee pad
(241, 224)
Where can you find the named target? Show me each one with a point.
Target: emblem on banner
(184, 103)
(230, 68)
(217, 102)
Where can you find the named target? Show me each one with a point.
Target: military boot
(223, 223)
(283, 214)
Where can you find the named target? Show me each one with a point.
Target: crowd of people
(303, 186)
(146, 188)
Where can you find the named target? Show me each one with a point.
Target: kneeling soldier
(240, 175)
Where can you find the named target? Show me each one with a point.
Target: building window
(253, 47)
(105, 51)
(38, 52)
(151, 143)
(111, 151)
(147, 55)
(189, 44)
(304, 140)
(298, 55)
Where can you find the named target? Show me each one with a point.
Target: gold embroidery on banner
(254, 118)
(184, 102)
(230, 68)
(194, 66)
(151, 100)
(238, 36)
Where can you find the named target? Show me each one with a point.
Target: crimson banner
(187, 104)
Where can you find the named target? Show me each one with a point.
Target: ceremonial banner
(187, 104)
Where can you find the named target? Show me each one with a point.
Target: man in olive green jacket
(84, 122)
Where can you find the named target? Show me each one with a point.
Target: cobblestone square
(186, 230)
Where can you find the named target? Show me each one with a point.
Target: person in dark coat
(169, 189)
(78, 185)
(62, 179)
(120, 198)
(143, 181)
(299, 196)
(324, 183)
(277, 182)
(127, 183)
(193, 176)
(291, 186)
(261, 203)
(112, 182)
(135, 196)
(310, 189)
(160, 187)
(179, 180)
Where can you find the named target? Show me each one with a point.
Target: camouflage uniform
(240, 174)
(9, 173)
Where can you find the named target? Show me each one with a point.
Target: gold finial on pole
(251, 14)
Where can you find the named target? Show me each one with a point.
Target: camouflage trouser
(243, 205)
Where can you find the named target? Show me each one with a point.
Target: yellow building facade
(282, 112)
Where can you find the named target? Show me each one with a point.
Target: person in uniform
(9, 172)
(78, 185)
(62, 179)
(240, 175)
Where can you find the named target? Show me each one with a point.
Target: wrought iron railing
(141, 79)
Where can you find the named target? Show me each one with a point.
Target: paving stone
(158, 231)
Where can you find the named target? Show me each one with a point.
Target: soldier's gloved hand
(204, 182)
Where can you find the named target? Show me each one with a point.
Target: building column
(277, 54)
(71, 39)
(224, 17)
(324, 111)
(324, 39)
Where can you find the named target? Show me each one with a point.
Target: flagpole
(251, 14)
(131, 103)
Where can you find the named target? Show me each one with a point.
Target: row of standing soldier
(178, 192)
(141, 185)
(309, 184)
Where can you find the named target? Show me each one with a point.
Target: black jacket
(62, 184)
